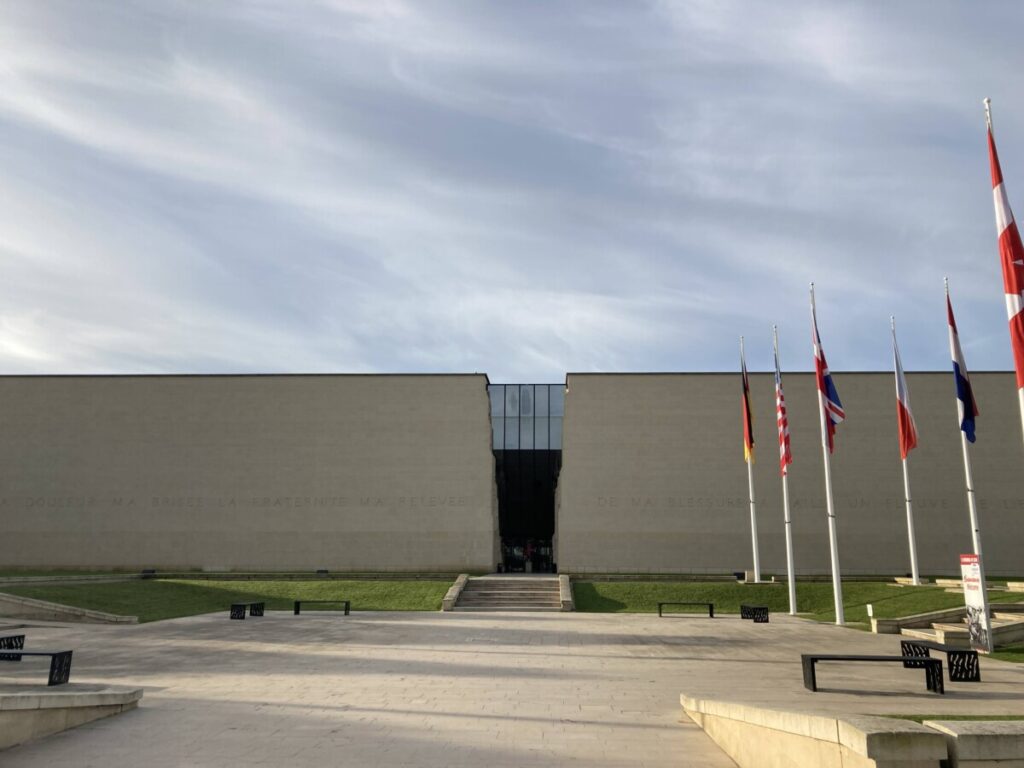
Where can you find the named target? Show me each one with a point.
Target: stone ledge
(978, 743)
(565, 592)
(757, 737)
(17, 607)
(30, 712)
(452, 595)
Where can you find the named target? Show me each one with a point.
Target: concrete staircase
(1006, 623)
(510, 593)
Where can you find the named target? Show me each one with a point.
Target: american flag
(1011, 254)
(785, 455)
(829, 398)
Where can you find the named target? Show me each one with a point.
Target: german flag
(748, 416)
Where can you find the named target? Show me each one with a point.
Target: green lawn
(813, 598)
(1013, 653)
(156, 599)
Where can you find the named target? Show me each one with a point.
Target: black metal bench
(298, 604)
(238, 609)
(759, 613)
(60, 661)
(963, 662)
(932, 667)
(710, 607)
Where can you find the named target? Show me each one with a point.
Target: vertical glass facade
(527, 416)
(526, 435)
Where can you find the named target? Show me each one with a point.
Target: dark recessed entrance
(526, 424)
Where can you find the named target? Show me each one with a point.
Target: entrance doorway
(526, 427)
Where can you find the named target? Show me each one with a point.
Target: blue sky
(517, 188)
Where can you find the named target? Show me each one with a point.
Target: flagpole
(790, 575)
(915, 575)
(833, 539)
(972, 508)
(750, 476)
(1020, 390)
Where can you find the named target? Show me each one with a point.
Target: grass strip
(155, 599)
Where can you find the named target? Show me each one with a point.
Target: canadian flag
(1011, 253)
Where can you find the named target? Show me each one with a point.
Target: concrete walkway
(433, 689)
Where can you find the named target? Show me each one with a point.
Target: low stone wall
(17, 607)
(565, 592)
(452, 596)
(982, 744)
(755, 737)
(32, 712)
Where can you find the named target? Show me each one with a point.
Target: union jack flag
(785, 455)
(832, 408)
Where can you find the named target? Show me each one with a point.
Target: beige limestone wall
(653, 478)
(247, 472)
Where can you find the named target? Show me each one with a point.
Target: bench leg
(810, 681)
(256, 609)
(238, 612)
(910, 648)
(964, 667)
(298, 607)
(659, 610)
(711, 611)
(60, 668)
(348, 604)
(933, 677)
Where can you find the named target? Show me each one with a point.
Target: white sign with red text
(976, 599)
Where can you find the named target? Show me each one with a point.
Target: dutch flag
(967, 407)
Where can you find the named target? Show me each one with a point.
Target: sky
(520, 189)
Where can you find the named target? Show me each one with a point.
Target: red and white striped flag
(785, 455)
(904, 416)
(1011, 254)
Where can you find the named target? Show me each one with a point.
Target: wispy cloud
(513, 188)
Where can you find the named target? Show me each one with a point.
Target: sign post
(976, 600)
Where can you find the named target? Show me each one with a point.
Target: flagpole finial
(945, 282)
(892, 322)
(988, 111)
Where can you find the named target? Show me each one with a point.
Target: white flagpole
(750, 479)
(1020, 390)
(915, 575)
(972, 506)
(833, 540)
(790, 575)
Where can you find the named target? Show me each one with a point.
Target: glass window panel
(526, 400)
(542, 425)
(540, 404)
(557, 392)
(512, 433)
(556, 433)
(498, 434)
(526, 433)
(497, 393)
(511, 402)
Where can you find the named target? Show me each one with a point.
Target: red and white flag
(904, 416)
(1011, 254)
(785, 455)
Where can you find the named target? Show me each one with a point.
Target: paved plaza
(460, 689)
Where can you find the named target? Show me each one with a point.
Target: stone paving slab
(458, 689)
